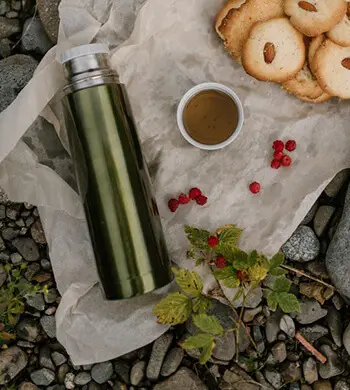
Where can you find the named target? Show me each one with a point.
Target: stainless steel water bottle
(122, 214)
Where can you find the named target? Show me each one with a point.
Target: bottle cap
(79, 51)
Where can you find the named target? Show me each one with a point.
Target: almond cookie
(315, 44)
(235, 20)
(331, 66)
(314, 17)
(274, 51)
(340, 33)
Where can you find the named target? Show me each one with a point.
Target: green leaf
(201, 304)
(240, 260)
(197, 237)
(230, 235)
(175, 309)
(206, 353)
(191, 253)
(264, 261)
(276, 261)
(189, 282)
(231, 282)
(278, 272)
(199, 262)
(272, 300)
(282, 285)
(288, 302)
(208, 324)
(253, 258)
(224, 273)
(248, 364)
(199, 340)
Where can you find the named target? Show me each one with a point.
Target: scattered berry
(213, 241)
(286, 161)
(194, 193)
(184, 199)
(278, 156)
(255, 187)
(275, 164)
(173, 205)
(278, 146)
(220, 262)
(201, 200)
(291, 145)
(240, 275)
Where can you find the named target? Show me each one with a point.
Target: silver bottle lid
(84, 50)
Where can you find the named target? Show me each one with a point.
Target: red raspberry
(291, 145)
(184, 199)
(220, 262)
(194, 193)
(255, 187)
(278, 146)
(275, 164)
(286, 161)
(278, 156)
(201, 200)
(213, 241)
(240, 275)
(173, 205)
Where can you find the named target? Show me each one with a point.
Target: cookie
(274, 51)
(331, 66)
(314, 46)
(340, 33)
(236, 19)
(314, 17)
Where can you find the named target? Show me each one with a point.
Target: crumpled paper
(172, 47)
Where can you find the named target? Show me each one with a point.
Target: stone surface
(310, 370)
(58, 358)
(302, 246)
(28, 329)
(34, 38)
(342, 385)
(291, 372)
(273, 326)
(12, 361)
(27, 247)
(159, 350)
(335, 325)
(49, 325)
(45, 358)
(279, 352)
(37, 232)
(334, 365)
(3, 275)
(273, 377)
(122, 369)
(62, 372)
(137, 372)
(322, 218)
(235, 377)
(42, 377)
(287, 325)
(102, 372)
(310, 215)
(249, 314)
(172, 361)
(9, 234)
(322, 385)
(82, 378)
(337, 183)
(36, 301)
(15, 72)
(48, 12)
(313, 333)
(28, 386)
(69, 381)
(8, 27)
(310, 311)
(183, 379)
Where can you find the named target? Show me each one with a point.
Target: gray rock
(273, 377)
(310, 370)
(346, 339)
(235, 377)
(51, 296)
(4, 7)
(294, 386)
(12, 15)
(8, 27)
(313, 333)
(249, 314)
(258, 338)
(323, 385)
(322, 218)
(49, 325)
(15, 72)
(45, 264)
(28, 386)
(137, 372)
(338, 302)
(58, 358)
(95, 386)
(37, 232)
(2, 211)
(183, 379)
(273, 326)
(335, 325)
(303, 246)
(36, 301)
(42, 377)
(310, 215)
(279, 352)
(261, 379)
(310, 311)
(25, 344)
(82, 378)
(16, 258)
(342, 385)
(123, 370)
(31, 271)
(291, 372)
(12, 361)
(62, 372)
(318, 268)
(69, 381)
(9, 233)
(306, 387)
(334, 365)
(159, 350)
(287, 325)
(102, 372)
(28, 329)
(2, 245)
(27, 247)
(172, 361)
(337, 183)
(34, 38)
(45, 358)
(3, 275)
(48, 12)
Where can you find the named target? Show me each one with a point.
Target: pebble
(334, 365)
(310, 215)
(4, 7)
(294, 386)
(338, 302)
(12, 361)
(51, 296)
(342, 385)
(259, 340)
(102, 372)
(318, 268)
(27, 247)
(45, 264)
(45, 358)
(3, 275)
(159, 350)
(302, 246)
(48, 12)
(58, 358)
(28, 329)
(25, 344)
(8, 27)
(42, 377)
(310, 370)
(305, 387)
(2, 209)
(31, 271)
(123, 370)
(69, 381)
(279, 352)
(2, 245)
(249, 314)
(291, 371)
(322, 218)
(12, 15)
(16, 258)
(28, 386)
(323, 385)
(9, 233)
(261, 379)
(49, 325)
(82, 378)
(310, 311)
(172, 361)
(36, 301)
(337, 183)
(137, 372)
(335, 325)
(35, 39)
(313, 333)
(273, 326)
(273, 377)
(287, 325)
(62, 372)
(37, 232)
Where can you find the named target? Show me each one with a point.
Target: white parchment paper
(172, 47)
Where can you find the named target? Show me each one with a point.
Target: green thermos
(122, 214)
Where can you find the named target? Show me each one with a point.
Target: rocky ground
(31, 358)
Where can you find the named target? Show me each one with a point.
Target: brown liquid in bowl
(210, 117)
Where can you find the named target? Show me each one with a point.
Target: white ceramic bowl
(204, 87)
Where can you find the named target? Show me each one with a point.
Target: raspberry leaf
(239, 260)
(175, 309)
(272, 300)
(208, 324)
(230, 235)
(276, 261)
(201, 304)
(257, 273)
(288, 302)
(278, 272)
(189, 282)
(252, 258)
(282, 285)
(231, 282)
(225, 273)
(200, 340)
(197, 237)
(199, 262)
(206, 353)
